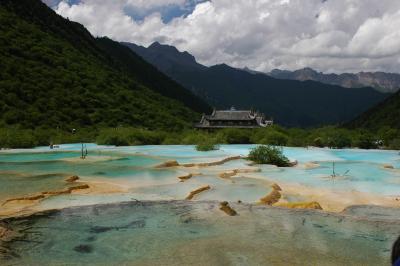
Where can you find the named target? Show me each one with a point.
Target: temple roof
(231, 115)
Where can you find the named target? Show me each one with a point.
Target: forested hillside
(384, 115)
(54, 74)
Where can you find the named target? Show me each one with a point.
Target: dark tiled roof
(231, 115)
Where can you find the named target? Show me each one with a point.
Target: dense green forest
(330, 136)
(55, 75)
(385, 114)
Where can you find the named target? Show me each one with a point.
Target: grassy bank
(321, 137)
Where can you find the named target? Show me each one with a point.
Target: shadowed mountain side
(385, 114)
(289, 102)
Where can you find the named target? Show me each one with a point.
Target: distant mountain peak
(154, 45)
(381, 81)
(165, 56)
(308, 69)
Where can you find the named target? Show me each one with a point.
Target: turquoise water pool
(185, 233)
(147, 223)
(30, 171)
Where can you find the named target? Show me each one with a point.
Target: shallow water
(184, 233)
(26, 172)
(146, 231)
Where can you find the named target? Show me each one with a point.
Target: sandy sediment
(197, 191)
(224, 206)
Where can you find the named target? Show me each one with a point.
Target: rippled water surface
(184, 233)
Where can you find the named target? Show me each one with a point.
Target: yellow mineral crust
(185, 177)
(300, 205)
(197, 191)
(224, 206)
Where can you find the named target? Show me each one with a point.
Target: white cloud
(333, 35)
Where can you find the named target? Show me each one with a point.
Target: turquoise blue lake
(135, 213)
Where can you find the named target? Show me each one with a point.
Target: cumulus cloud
(331, 36)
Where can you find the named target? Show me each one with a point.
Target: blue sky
(168, 11)
(330, 36)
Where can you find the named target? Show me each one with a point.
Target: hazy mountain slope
(289, 102)
(55, 74)
(385, 114)
(384, 82)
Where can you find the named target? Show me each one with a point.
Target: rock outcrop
(224, 206)
(197, 191)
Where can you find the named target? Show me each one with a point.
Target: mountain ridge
(381, 81)
(290, 102)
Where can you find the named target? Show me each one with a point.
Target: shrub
(207, 145)
(129, 136)
(268, 155)
(365, 141)
(395, 144)
(275, 138)
(339, 141)
(235, 136)
(318, 142)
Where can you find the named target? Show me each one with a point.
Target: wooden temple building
(233, 119)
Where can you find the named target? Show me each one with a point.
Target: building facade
(233, 119)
